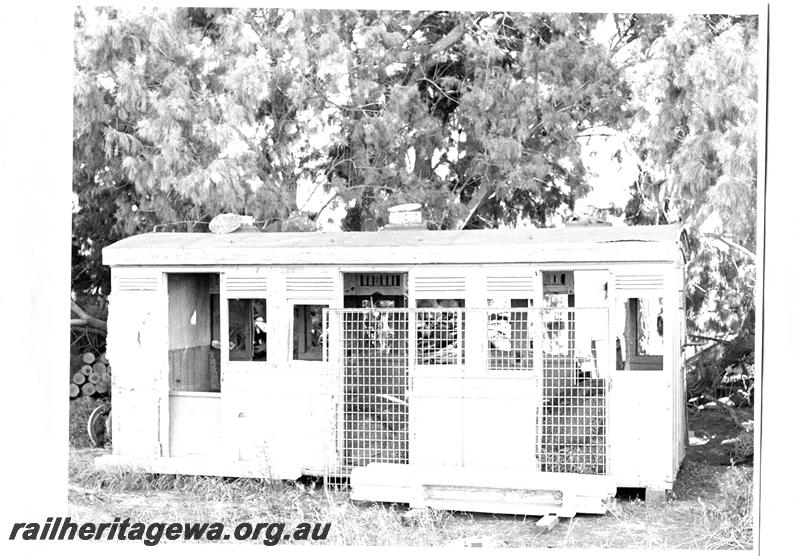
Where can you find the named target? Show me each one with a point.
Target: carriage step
(482, 490)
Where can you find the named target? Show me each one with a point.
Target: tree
(696, 137)
(475, 115)
(185, 113)
(178, 115)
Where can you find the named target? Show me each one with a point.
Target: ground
(710, 506)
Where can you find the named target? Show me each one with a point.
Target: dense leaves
(185, 113)
(696, 137)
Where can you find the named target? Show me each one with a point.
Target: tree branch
(350, 188)
(451, 38)
(733, 244)
(81, 323)
(85, 319)
(476, 202)
(710, 339)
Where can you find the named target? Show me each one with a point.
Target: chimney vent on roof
(409, 214)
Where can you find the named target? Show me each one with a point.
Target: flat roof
(522, 245)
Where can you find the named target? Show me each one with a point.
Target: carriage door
(194, 363)
(640, 404)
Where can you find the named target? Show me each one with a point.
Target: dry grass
(100, 494)
(719, 518)
(728, 519)
(79, 411)
(710, 508)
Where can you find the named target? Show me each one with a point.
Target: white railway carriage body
(520, 371)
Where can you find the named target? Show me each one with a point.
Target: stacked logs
(90, 376)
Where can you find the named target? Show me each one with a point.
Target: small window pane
(440, 332)
(650, 327)
(307, 335)
(509, 334)
(247, 329)
(639, 331)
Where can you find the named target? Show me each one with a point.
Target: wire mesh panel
(374, 383)
(555, 358)
(572, 418)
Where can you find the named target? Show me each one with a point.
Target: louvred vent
(504, 284)
(309, 285)
(137, 283)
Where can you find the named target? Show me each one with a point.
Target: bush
(729, 518)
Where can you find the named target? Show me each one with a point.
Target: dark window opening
(247, 329)
(307, 332)
(378, 290)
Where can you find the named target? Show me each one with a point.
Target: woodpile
(90, 375)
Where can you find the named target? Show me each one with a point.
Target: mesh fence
(378, 354)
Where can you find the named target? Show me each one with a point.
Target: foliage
(696, 137)
(183, 113)
(178, 115)
(469, 108)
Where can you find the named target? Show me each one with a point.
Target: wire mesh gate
(522, 388)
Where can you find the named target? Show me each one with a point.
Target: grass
(729, 519)
(150, 497)
(711, 521)
(711, 506)
(79, 410)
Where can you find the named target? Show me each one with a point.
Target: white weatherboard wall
(138, 348)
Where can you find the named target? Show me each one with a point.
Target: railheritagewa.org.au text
(151, 534)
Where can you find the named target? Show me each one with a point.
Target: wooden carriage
(519, 371)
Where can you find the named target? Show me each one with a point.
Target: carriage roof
(572, 244)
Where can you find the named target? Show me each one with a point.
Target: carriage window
(640, 334)
(440, 332)
(247, 329)
(509, 333)
(307, 332)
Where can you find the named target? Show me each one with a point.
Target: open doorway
(194, 363)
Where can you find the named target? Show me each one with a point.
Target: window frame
(637, 361)
(461, 340)
(292, 303)
(250, 298)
